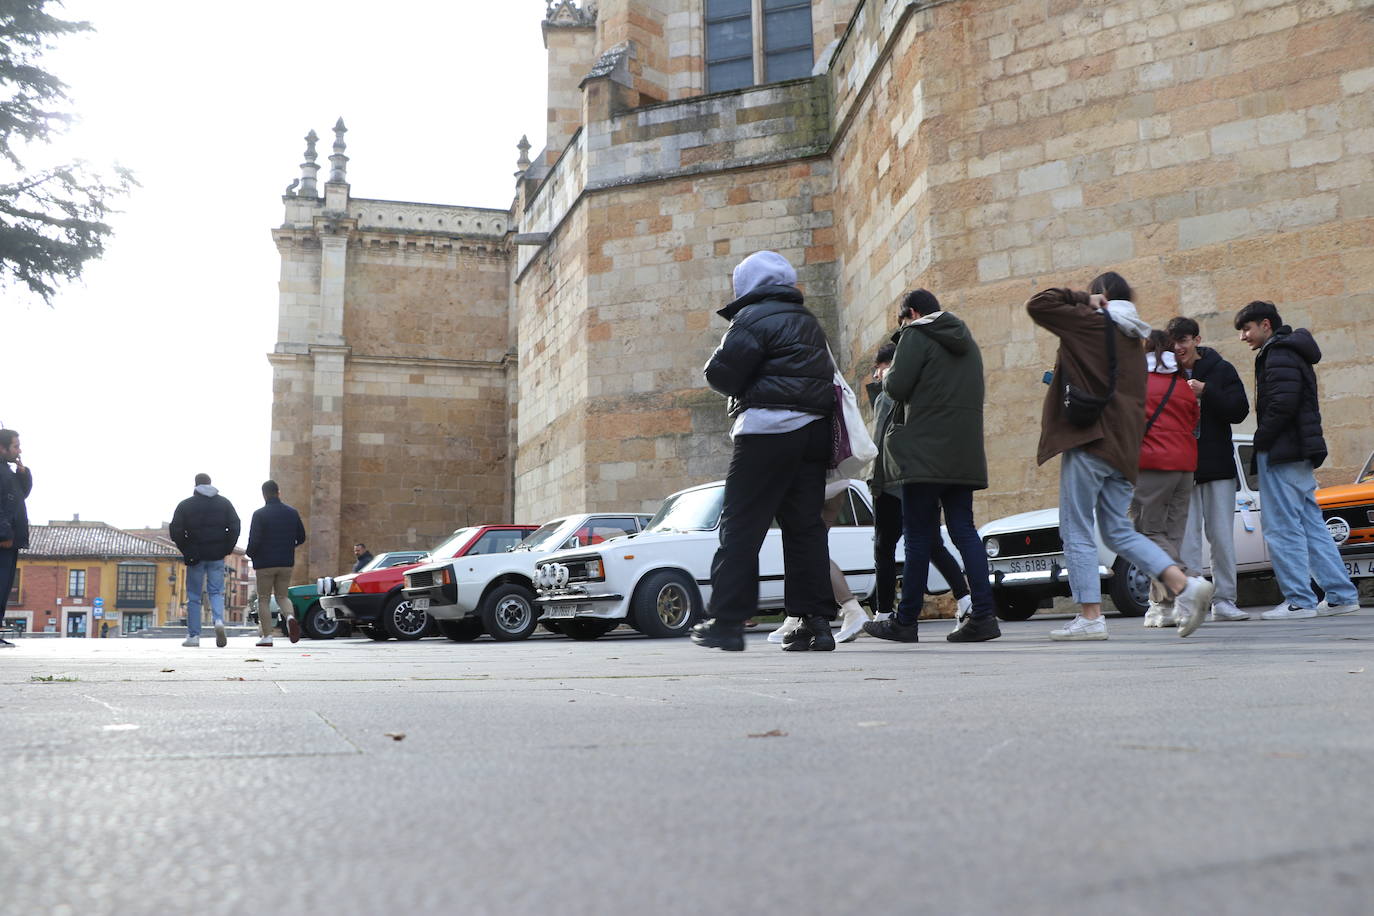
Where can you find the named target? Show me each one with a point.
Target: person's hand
(1097, 301)
(6, 545)
(19, 464)
(1198, 387)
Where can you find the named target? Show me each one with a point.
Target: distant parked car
(305, 598)
(1349, 514)
(1026, 555)
(660, 580)
(494, 594)
(371, 598)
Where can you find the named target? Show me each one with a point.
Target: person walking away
(15, 486)
(205, 529)
(274, 533)
(362, 556)
(1168, 460)
(933, 449)
(1212, 507)
(774, 367)
(1100, 460)
(1289, 445)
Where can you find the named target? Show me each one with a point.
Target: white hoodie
(1127, 318)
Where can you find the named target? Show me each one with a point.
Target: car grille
(1029, 543)
(422, 579)
(1356, 517)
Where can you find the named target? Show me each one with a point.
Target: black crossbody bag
(1083, 408)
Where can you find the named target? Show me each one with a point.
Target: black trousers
(9, 557)
(778, 476)
(887, 531)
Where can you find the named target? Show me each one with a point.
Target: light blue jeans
(209, 575)
(1086, 482)
(1300, 547)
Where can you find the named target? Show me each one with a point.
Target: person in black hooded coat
(1288, 445)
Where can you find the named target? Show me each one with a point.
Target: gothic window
(739, 55)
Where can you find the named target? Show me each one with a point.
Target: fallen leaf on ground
(252, 659)
(396, 736)
(1358, 671)
(168, 670)
(775, 733)
(235, 679)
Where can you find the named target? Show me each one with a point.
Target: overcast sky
(154, 366)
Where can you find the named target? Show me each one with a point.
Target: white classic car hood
(1026, 521)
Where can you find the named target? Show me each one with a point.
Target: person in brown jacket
(1101, 459)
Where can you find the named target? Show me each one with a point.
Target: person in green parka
(933, 449)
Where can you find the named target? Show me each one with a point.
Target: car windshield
(1367, 475)
(452, 544)
(695, 510)
(545, 538)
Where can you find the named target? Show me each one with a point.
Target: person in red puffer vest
(1168, 458)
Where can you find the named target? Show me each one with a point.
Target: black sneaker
(814, 633)
(975, 629)
(719, 634)
(6, 644)
(293, 628)
(893, 630)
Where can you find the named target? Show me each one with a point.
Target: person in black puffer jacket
(774, 366)
(205, 528)
(1288, 445)
(1212, 506)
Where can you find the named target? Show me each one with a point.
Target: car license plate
(561, 612)
(1025, 564)
(1359, 568)
(420, 604)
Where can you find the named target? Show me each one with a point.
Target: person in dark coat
(363, 556)
(1212, 508)
(1101, 460)
(774, 366)
(1288, 446)
(933, 449)
(273, 536)
(15, 486)
(205, 529)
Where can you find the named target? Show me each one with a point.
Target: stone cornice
(286, 358)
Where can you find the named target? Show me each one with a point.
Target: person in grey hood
(933, 449)
(774, 366)
(1288, 446)
(205, 528)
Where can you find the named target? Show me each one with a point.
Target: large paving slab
(1228, 772)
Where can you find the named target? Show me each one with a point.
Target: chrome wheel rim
(673, 605)
(407, 619)
(512, 614)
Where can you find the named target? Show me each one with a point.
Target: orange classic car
(1349, 514)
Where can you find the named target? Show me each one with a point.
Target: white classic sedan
(658, 581)
(1026, 556)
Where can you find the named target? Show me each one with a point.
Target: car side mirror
(574, 541)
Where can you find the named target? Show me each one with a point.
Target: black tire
(319, 625)
(465, 630)
(665, 604)
(401, 621)
(374, 633)
(1129, 589)
(587, 628)
(508, 612)
(1015, 603)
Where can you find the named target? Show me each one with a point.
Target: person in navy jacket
(273, 536)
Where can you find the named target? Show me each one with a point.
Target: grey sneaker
(1335, 610)
(220, 639)
(1227, 610)
(192, 642)
(1191, 605)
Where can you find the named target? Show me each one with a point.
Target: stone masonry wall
(1213, 152)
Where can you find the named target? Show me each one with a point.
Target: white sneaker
(265, 642)
(1191, 605)
(192, 642)
(852, 620)
(885, 615)
(1335, 610)
(1081, 628)
(1223, 609)
(1286, 611)
(787, 626)
(1160, 615)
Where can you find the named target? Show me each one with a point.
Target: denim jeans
(1300, 547)
(1086, 482)
(921, 504)
(209, 575)
(887, 531)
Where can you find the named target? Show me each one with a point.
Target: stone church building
(440, 365)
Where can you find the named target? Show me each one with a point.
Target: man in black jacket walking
(273, 536)
(1288, 445)
(15, 486)
(205, 528)
(775, 367)
(1221, 396)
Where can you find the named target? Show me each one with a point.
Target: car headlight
(992, 546)
(594, 570)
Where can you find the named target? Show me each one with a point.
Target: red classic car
(372, 601)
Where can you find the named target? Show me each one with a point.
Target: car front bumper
(1053, 573)
(564, 604)
(359, 607)
(439, 601)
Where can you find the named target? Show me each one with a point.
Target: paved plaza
(1227, 773)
